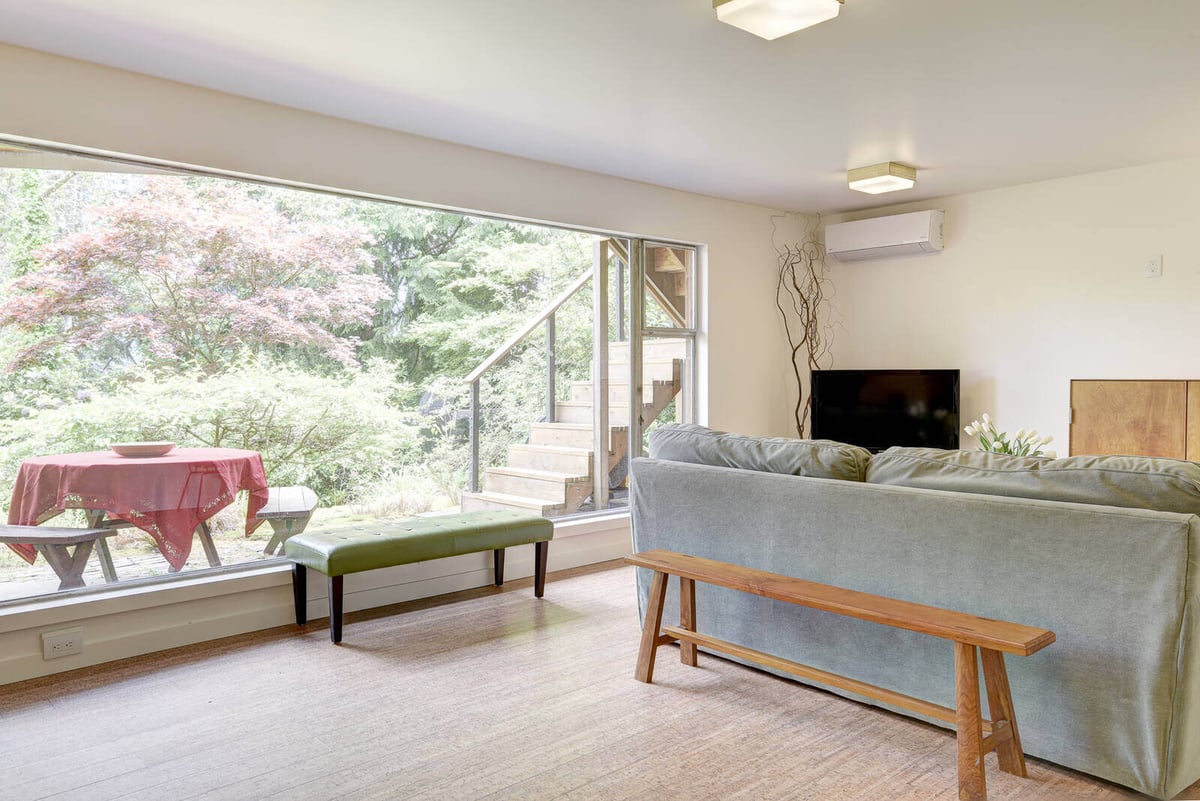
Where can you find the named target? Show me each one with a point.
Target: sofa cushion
(815, 458)
(1137, 482)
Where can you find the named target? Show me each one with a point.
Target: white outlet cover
(65, 642)
(1154, 266)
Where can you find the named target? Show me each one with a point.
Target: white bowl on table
(141, 449)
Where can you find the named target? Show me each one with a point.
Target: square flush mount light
(771, 19)
(880, 178)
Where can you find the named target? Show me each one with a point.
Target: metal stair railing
(546, 315)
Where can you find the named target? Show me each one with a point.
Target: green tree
(25, 223)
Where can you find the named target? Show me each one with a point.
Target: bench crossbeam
(974, 638)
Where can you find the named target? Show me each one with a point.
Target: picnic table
(169, 497)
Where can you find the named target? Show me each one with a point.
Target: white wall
(52, 98)
(745, 383)
(1038, 284)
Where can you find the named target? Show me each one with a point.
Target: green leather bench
(387, 543)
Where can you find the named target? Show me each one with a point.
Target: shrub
(334, 434)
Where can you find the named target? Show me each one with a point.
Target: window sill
(55, 610)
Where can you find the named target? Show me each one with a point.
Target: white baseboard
(127, 622)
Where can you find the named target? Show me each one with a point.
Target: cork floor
(484, 694)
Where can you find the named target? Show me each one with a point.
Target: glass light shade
(771, 19)
(880, 178)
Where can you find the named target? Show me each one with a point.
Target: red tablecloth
(165, 496)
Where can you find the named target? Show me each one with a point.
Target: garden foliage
(330, 334)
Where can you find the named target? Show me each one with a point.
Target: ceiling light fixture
(771, 19)
(879, 178)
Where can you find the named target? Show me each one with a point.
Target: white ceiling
(975, 93)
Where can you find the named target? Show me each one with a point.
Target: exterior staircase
(551, 475)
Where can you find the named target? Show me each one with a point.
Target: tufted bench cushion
(387, 543)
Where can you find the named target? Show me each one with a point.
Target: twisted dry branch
(802, 296)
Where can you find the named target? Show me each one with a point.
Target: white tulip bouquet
(1023, 443)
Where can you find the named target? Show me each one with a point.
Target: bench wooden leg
(651, 628)
(106, 561)
(280, 529)
(300, 592)
(498, 565)
(1008, 744)
(687, 619)
(971, 783)
(541, 550)
(204, 532)
(335, 608)
(66, 565)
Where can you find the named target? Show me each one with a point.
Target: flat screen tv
(876, 409)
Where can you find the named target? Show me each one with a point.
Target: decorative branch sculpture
(803, 296)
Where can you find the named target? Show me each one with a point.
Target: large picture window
(306, 353)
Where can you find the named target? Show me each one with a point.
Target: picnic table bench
(54, 544)
(288, 511)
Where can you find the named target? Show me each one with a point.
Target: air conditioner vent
(881, 237)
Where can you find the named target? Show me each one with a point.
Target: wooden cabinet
(1140, 418)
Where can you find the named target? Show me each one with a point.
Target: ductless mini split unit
(881, 237)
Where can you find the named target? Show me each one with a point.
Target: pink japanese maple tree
(192, 273)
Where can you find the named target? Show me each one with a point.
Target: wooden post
(971, 783)
(106, 561)
(95, 519)
(687, 619)
(67, 566)
(995, 676)
(601, 440)
(651, 628)
(204, 532)
(637, 312)
(473, 459)
(551, 368)
(620, 337)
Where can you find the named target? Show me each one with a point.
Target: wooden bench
(387, 543)
(53, 544)
(288, 511)
(969, 633)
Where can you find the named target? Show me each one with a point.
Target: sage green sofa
(1117, 696)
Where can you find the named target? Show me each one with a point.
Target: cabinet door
(1193, 421)
(1138, 418)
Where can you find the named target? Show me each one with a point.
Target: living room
(1042, 279)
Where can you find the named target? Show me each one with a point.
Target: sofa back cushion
(1137, 482)
(815, 458)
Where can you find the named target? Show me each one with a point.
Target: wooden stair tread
(577, 426)
(566, 450)
(586, 403)
(623, 362)
(557, 463)
(522, 501)
(530, 472)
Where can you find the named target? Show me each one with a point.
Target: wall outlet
(1154, 266)
(62, 643)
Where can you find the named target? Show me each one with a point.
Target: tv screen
(876, 409)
